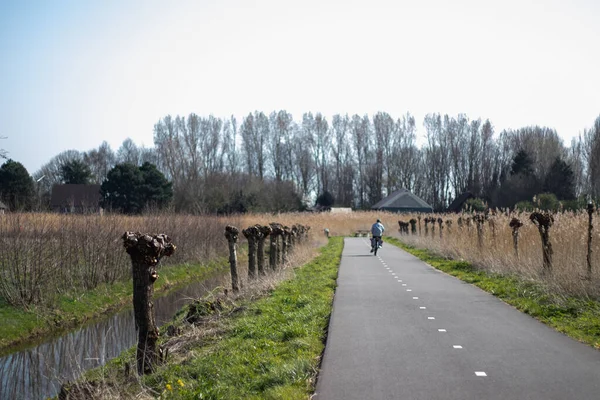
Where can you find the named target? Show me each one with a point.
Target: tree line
(273, 162)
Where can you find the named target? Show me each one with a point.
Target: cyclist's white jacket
(377, 229)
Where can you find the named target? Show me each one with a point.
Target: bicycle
(376, 243)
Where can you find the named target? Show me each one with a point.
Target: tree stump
(544, 221)
(251, 235)
(264, 231)
(145, 252)
(231, 233)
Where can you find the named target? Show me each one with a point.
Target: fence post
(145, 252)
(231, 233)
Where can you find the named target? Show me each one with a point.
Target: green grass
(575, 317)
(70, 310)
(268, 348)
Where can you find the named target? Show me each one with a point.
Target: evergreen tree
(76, 172)
(560, 180)
(155, 190)
(16, 186)
(131, 189)
(522, 164)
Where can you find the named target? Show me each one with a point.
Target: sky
(76, 73)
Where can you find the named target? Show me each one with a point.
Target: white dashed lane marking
(394, 275)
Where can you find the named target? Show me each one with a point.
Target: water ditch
(38, 372)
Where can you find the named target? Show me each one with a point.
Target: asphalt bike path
(401, 329)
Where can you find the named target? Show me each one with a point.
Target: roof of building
(402, 199)
(458, 202)
(77, 195)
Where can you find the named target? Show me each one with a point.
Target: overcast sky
(75, 73)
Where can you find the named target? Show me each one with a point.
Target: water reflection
(38, 372)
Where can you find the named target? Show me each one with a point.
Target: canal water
(38, 372)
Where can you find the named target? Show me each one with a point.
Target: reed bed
(496, 254)
(45, 255)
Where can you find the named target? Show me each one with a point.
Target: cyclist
(376, 232)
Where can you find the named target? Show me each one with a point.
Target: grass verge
(575, 317)
(256, 348)
(21, 326)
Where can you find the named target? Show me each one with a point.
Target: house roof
(458, 202)
(77, 195)
(402, 199)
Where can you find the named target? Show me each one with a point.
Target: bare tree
(279, 143)
(128, 153)
(255, 134)
(3, 153)
(343, 161)
(229, 146)
(100, 161)
(592, 157)
(360, 132)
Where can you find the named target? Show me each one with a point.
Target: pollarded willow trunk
(419, 218)
(492, 222)
(440, 223)
(264, 232)
(479, 220)
(286, 244)
(544, 222)
(449, 226)
(251, 235)
(426, 226)
(590, 210)
(274, 250)
(145, 252)
(413, 226)
(515, 224)
(231, 233)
